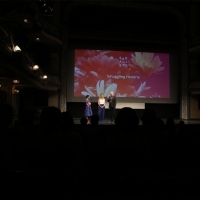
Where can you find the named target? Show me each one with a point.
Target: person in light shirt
(101, 108)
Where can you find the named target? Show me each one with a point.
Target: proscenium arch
(135, 6)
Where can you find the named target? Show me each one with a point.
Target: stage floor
(106, 121)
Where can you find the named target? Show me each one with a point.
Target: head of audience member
(94, 119)
(83, 121)
(6, 115)
(127, 118)
(159, 123)
(181, 127)
(170, 124)
(67, 121)
(26, 118)
(50, 118)
(148, 117)
(181, 123)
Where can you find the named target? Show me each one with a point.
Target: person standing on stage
(101, 108)
(112, 104)
(88, 109)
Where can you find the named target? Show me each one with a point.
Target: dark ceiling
(12, 15)
(86, 17)
(124, 20)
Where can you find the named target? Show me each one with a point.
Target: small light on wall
(16, 81)
(26, 21)
(0, 85)
(37, 39)
(35, 67)
(45, 77)
(17, 49)
(17, 91)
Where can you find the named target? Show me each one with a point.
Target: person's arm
(88, 103)
(109, 99)
(115, 101)
(104, 103)
(99, 102)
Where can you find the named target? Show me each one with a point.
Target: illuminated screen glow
(128, 74)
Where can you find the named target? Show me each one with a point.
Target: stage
(107, 121)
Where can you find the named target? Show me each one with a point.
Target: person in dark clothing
(112, 105)
(88, 109)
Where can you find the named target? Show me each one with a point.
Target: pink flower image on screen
(128, 74)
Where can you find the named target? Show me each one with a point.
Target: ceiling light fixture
(17, 49)
(45, 77)
(26, 21)
(35, 67)
(16, 81)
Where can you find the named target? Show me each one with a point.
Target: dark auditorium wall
(32, 99)
(3, 96)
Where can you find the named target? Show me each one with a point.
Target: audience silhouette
(94, 119)
(6, 121)
(66, 122)
(54, 145)
(83, 121)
